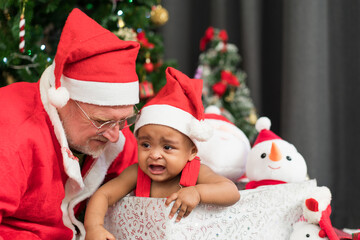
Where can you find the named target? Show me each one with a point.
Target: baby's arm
(105, 196)
(211, 188)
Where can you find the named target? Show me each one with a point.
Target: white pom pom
(263, 123)
(200, 130)
(213, 109)
(58, 97)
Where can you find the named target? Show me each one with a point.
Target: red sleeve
(13, 179)
(126, 158)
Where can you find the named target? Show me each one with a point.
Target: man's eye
(99, 122)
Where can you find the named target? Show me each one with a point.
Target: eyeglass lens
(122, 124)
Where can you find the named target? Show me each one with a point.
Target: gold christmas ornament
(9, 78)
(7, 15)
(121, 22)
(252, 117)
(159, 15)
(231, 96)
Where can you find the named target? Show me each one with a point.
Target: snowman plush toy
(273, 160)
(315, 223)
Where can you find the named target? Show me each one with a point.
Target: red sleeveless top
(188, 178)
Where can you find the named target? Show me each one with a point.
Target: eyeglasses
(103, 127)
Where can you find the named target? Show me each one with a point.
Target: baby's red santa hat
(93, 65)
(263, 125)
(178, 105)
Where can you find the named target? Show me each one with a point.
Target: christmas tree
(30, 31)
(224, 81)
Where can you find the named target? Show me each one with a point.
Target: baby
(168, 130)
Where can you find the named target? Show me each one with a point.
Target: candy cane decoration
(22, 33)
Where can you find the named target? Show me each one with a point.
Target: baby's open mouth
(156, 169)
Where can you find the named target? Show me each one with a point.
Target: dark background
(302, 60)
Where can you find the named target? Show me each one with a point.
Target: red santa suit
(41, 180)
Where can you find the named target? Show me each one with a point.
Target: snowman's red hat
(263, 125)
(93, 65)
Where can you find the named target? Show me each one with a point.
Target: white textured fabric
(267, 212)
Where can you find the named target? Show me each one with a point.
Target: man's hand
(186, 199)
(98, 233)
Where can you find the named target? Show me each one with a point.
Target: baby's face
(163, 151)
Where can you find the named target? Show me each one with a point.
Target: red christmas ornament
(230, 78)
(144, 42)
(223, 36)
(203, 43)
(209, 35)
(146, 89)
(149, 67)
(219, 88)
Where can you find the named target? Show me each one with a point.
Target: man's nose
(112, 134)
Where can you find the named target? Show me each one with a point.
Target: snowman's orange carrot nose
(275, 154)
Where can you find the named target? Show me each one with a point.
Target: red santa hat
(93, 65)
(214, 113)
(178, 105)
(263, 125)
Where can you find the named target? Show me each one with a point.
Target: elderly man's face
(82, 135)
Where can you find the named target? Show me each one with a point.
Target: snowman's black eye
(288, 158)
(307, 235)
(263, 155)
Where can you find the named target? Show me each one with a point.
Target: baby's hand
(186, 199)
(98, 233)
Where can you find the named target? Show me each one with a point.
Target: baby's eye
(145, 145)
(168, 147)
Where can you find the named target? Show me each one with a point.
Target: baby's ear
(194, 152)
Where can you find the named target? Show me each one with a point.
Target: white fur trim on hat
(102, 93)
(176, 118)
(98, 93)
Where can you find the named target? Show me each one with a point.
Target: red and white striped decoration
(22, 33)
